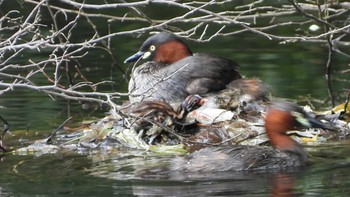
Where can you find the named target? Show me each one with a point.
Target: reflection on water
(123, 173)
(276, 185)
(326, 175)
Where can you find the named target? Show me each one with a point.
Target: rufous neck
(282, 142)
(277, 123)
(171, 52)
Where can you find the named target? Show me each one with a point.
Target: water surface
(294, 71)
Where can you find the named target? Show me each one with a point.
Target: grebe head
(193, 102)
(163, 47)
(284, 116)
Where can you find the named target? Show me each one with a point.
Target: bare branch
(53, 49)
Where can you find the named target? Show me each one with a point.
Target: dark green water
(102, 175)
(292, 70)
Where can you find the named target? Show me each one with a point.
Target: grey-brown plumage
(237, 158)
(284, 153)
(174, 73)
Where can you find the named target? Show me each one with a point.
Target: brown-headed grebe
(173, 72)
(280, 118)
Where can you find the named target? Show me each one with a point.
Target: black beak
(134, 57)
(318, 124)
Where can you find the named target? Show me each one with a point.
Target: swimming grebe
(280, 118)
(174, 72)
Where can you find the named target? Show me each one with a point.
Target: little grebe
(150, 113)
(280, 118)
(174, 72)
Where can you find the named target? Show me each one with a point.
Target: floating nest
(242, 124)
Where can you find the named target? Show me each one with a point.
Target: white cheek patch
(146, 55)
